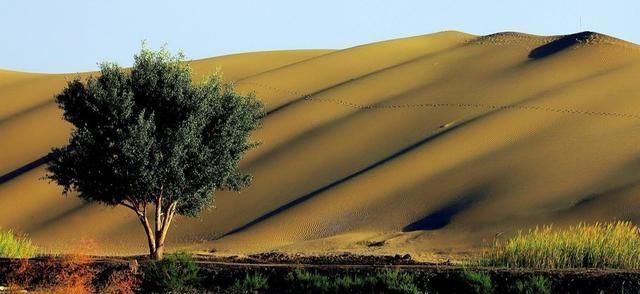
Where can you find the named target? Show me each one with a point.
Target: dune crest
(430, 143)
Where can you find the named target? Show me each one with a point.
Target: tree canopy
(149, 136)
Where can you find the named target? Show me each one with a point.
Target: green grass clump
(397, 282)
(534, 285)
(301, 281)
(176, 273)
(478, 282)
(252, 283)
(12, 246)
(351, 282)
(599, 245)
(306, 280)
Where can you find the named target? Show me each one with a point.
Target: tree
(150, 138)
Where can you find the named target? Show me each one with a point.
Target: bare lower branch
(158, 212)
(128, 205)
(171, 210)
(133, 204)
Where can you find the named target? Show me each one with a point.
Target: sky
(74, 35)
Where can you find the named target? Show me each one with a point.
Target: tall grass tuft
(177, 273)
(252, 283)
(12, 246)
(599, 245)
(478, 282)
(534, 285)
(388, 281)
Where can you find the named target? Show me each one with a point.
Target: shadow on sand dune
(25, 168)
(351, 176)
(560, 44)
(442, 216)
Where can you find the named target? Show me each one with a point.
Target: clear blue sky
(72, 36)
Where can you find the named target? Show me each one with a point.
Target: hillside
(434, 143)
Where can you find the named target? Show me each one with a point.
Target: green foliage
(383, 282)
(252, 283)
(176, 273)
(397, 282)
(599, 245)
(478, 282)
(534, 285)
(12, 246)
(351, 282)
(151, 132)
(306, 280)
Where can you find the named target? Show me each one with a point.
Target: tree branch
(166, 222)
(142, 216)
(159, 211)
(125, 204)
(133, 204)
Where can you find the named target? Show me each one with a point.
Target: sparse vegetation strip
(599, 245)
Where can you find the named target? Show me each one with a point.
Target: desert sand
(434, 144)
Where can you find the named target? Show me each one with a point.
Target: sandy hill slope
(432, 143)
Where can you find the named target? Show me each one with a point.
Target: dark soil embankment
(220, 273)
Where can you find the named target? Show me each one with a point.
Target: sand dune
(433, 143)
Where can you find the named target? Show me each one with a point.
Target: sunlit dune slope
(27, 107)
(433, 143)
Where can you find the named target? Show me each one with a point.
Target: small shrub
(383, 282)
(599, 245)
(65, 274)
(252, 283)
(19, 273)
(177, 272)
(352, 282)
(121, 282)
(12, 246)
(478, 282)
(397, 282)
(306, 280)
(534, 285)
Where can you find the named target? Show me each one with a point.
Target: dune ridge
(433, 143)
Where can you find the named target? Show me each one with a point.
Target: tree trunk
(142, 216)
(155, 238)
(158, 254)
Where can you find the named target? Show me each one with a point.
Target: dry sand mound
(425, 144)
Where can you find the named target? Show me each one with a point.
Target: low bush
(252, 283)
(176, 273)
(306, 281)
(396, 282)
(383, 282)
(12, 246)
(478, 282)
(534, 285)
(63, 274)
(121, 282)
(599, 245)
(354, 282)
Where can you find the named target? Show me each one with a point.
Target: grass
(397, 282)
(599, 245)
(534, 285)
(301, 281)
(307, 280)
(12, 246)
(252, 283)
(176, 273)
(478, 282)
